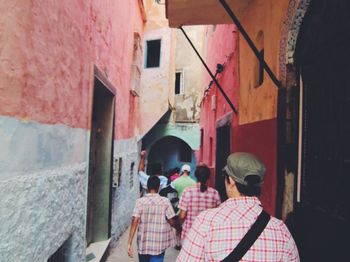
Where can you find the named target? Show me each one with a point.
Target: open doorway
(100, 161)
(223, 150)
(322, 55)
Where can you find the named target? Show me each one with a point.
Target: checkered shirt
(193, 201)
(154, 232)
(216, 232)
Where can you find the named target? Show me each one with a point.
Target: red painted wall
(48, 49)
(259, 137)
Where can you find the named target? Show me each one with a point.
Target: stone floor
(119, 253)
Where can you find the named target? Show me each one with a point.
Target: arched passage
(170, 152)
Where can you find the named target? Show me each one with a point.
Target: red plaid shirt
(216, 232)
(193, 201)
(154, 232)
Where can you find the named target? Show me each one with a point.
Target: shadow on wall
(171, 152)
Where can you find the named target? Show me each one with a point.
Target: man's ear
(232, 181)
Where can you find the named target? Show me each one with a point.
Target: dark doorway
(223, 150)
(100, 163)
(323, 55)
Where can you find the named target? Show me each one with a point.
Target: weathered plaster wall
(260, 103)
(39, 211)
(47, 53)
(62, 40)
(156, 82)
(112, 40)
(221, 48)
(259, 137)
(190, 133)
(155, 15)
(49, 37)
(27, 147)
(188, 104)
(125, 195)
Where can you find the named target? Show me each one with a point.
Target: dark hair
(153, 182)
(156, 169)
(202, 174)
(253, 188)
(177, 170)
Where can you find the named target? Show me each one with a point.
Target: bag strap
(249, 238)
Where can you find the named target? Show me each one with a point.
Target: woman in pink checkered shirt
(197, 199)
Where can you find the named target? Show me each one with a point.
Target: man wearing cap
(184, 180)
(217, 232)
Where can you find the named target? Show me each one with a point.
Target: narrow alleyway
(119, 253)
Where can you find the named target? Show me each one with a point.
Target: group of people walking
(235, 230)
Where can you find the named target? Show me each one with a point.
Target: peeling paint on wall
(188, 104)
(155, 81)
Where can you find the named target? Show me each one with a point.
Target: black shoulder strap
(250, 237)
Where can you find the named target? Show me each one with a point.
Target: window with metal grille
(132, 174)
(153, 53)
(117, 171)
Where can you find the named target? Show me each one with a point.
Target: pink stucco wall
(47, 53)
(221, 48)
(259, 137)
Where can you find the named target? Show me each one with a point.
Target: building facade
(297, 126)
(70, 133)
(174, 139)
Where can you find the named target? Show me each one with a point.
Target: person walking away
(196, 199)
(156, 169)
(153, 215)
(173, 197)
(216, 233)
(171, 194)
(184, 180)
(175, 174)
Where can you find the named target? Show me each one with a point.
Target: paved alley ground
(119, 253)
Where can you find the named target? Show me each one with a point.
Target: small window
(185, 153)
(117, 171)
(179, 83)
(259, 63)
(153, 53)
(132, 174)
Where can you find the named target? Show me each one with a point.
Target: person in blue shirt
(156, 169)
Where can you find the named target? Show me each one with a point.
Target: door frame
(98, 75)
